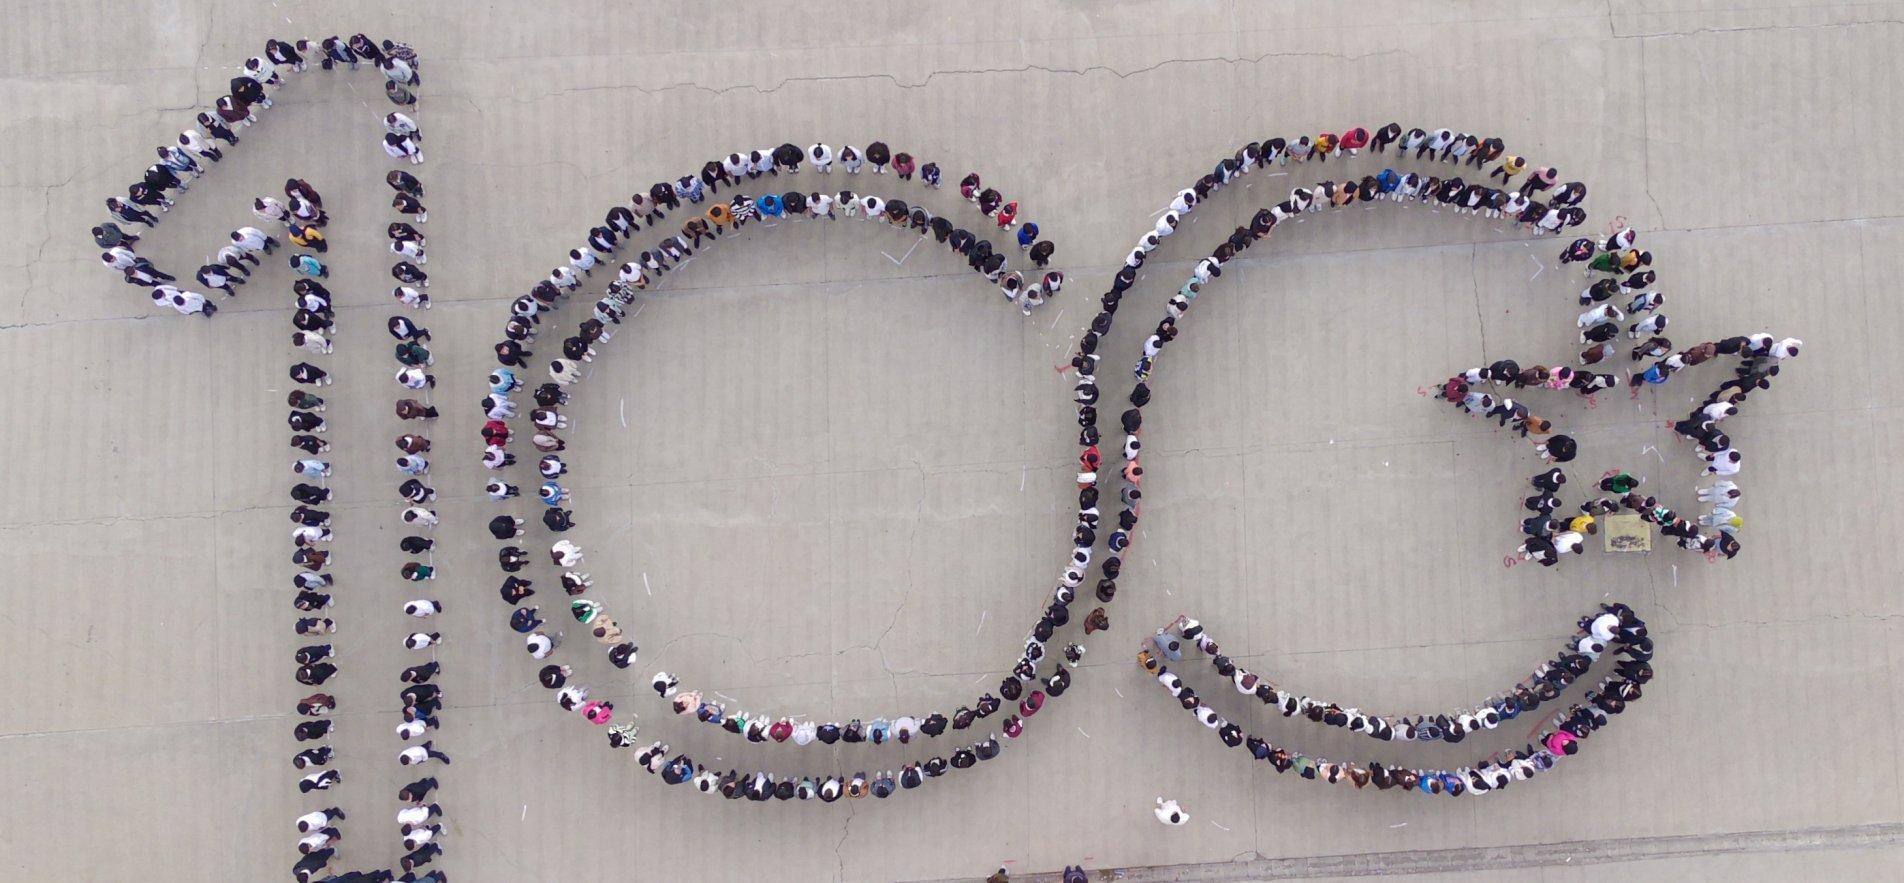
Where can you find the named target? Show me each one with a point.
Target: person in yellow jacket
(1509, 167)
(305, 236)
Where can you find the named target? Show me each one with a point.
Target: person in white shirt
(1459, 148)
(269, 209)
(498, 407)
(119, 257)
(410, 296)
(399, 124)
(420, 834)
(539, 645)
(565, 554)
(253, 239)
(235, 257)
(422, 640)
(411, 729)
(583, 260)
(1170, 813)
(311, 340)
(1724, 462)
(422, 607)
(1722, 492)
(318, 839)
(308, 211)
(319, 819)
(306, 535)
(417, 815)
(415, 378)
(411, 249)
(822, 157)
(403, 146)
(189, 302)
(424, 753)
(1034, 297)
(1650, 325)
(399, 71)
(191, 140)
(263, 70)
(419, 516)
(1600, 314)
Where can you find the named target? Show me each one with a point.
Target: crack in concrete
(1749, 28)
(1474, 276)
(952, 72)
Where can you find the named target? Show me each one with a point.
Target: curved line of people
(1613, 630)
(1086, 395)
(1251, 156)
(1613, 624)
(197, 148)
(1618, 255)
(635, 276)
(762, 786)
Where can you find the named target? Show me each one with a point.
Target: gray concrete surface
(825, 533)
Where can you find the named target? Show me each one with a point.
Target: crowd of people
(1624, 268)
(303, 218)
(1560, 212)
(1613, 630)
(419, 819)
(607, 244)
(1545, 685)
(197, 148)
(310, 539)
(1550, 536)
(300, 219)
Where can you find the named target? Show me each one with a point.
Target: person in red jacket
(1354, 140)
(496, 432)
(1007, 214)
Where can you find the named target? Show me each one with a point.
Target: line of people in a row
(1613, 630)
(603, 244)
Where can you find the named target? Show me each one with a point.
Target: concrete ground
(826, 483)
